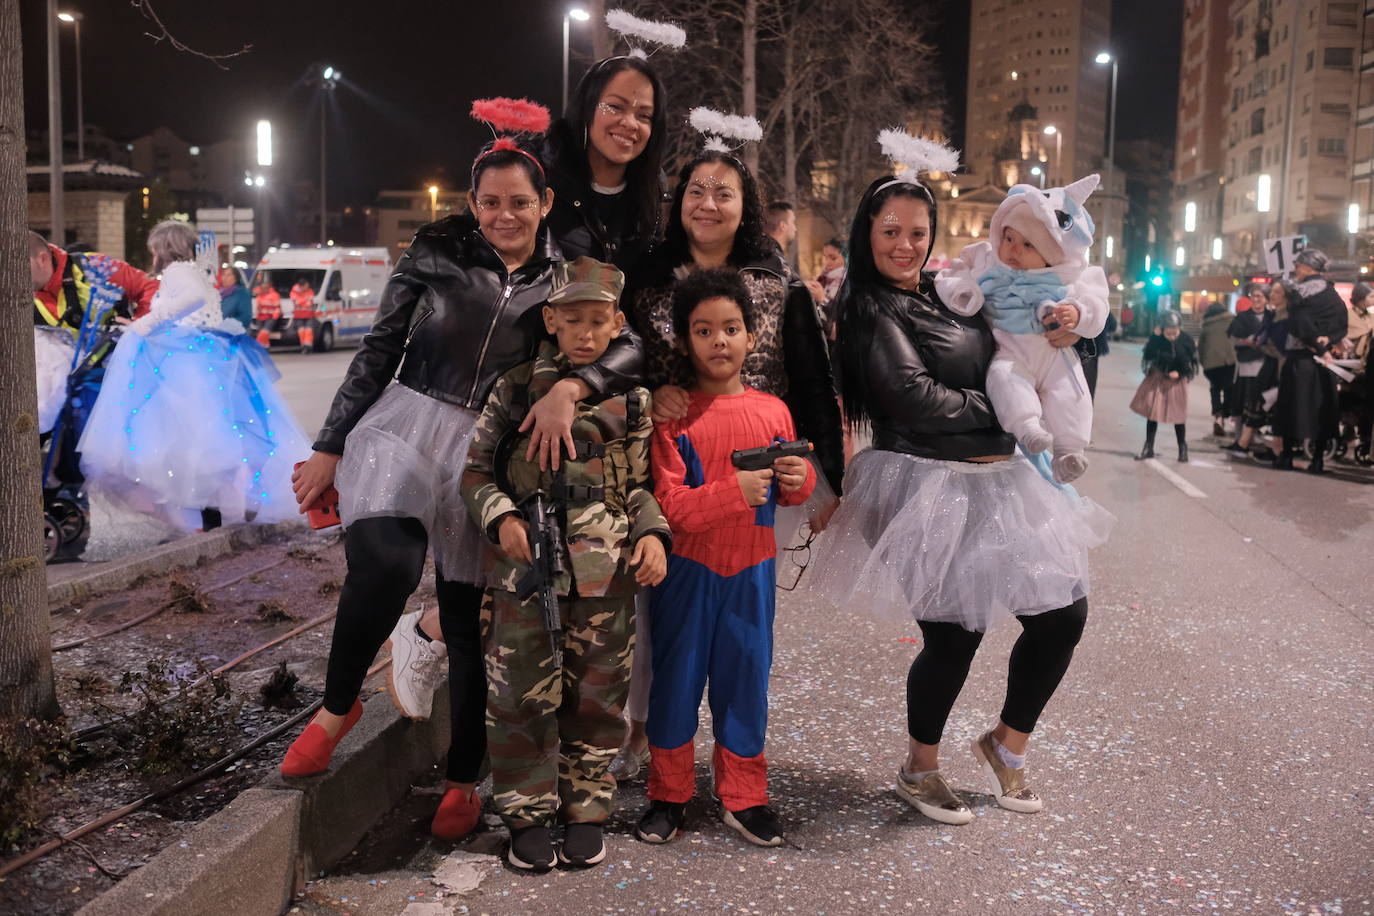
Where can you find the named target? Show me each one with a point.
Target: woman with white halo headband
(941, 521)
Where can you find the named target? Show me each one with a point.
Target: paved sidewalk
(1210, 750)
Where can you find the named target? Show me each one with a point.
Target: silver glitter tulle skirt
(955, 541)
(405, 459)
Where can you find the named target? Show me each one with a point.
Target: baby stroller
(66, 506)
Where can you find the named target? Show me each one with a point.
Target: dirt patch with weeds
(143, 710)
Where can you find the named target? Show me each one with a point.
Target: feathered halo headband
(722, 130)
(637, 32)
(915, 156)
(508, 118)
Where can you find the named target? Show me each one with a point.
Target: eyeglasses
(518, 204)
(800, 557)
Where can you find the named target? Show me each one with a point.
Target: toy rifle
(546, 565)
(756, 459)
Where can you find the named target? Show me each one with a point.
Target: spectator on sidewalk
(235, 302)
(1360, 336)
(1249, 361)
(780, 225)
(826, 286)
(1217, 354)
(1307, 408)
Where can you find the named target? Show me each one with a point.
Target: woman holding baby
(942, 520)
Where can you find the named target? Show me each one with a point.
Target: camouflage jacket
(599, 534)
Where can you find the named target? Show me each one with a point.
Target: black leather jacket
(579, 230)
(927, 379)
(452, 320)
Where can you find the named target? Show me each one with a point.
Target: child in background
(712, 618)
(551, 732)
(1170, 362)
(1038, 272)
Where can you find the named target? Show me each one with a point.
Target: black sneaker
(759, 825)
(582, 845)
(660, 822)
(1264, 454)
(531, 848)
(1236, 450)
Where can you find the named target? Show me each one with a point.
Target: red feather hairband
(510, 116)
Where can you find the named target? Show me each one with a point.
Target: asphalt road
(1210, 750)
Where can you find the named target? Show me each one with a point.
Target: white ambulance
(318, 296)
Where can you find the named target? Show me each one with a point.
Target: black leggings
(1151, 427)
(386, 557)
(1038, 661)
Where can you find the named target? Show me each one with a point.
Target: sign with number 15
(1280, 253)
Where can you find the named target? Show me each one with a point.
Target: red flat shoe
(457, 815)
(309, 754)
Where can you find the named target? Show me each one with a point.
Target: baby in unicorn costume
(1038, 268)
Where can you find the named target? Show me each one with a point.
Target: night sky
(410, 71)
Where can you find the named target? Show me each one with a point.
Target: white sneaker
(416, 668)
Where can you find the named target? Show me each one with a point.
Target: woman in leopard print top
(717, 220)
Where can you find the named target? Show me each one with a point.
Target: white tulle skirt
(53, 349)
(955, 541)
(405, 459)
(190, 418)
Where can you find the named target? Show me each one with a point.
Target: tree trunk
(750, 79)
(26, 685)
(601, 36)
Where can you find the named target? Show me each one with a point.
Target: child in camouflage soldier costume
(552, 731)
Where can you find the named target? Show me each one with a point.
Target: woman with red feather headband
(462, 308)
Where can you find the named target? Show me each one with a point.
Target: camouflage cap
(586, 280)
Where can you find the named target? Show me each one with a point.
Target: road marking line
(1173, 478)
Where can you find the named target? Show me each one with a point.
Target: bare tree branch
(145, 7)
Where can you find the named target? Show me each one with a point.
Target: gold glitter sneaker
(1009, 783)
(933, 797)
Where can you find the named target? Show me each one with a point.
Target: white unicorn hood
(1054, 221)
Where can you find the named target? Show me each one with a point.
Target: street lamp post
(1039, 173)
(75, 20)
(1105, 58)
(580, 15)
(264, 137)
(1058, 135)
(329, 78)
(58, 231)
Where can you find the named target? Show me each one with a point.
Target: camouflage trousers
(552, 733)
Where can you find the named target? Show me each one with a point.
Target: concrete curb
(238, 861)
(69, 582)
(252, 857)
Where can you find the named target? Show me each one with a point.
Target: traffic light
(1157, 281)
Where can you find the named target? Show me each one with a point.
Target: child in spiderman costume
(712, 617)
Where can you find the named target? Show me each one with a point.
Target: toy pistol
(756, 459)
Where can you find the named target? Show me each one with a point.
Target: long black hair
(864, 292)
(567, 140)
(750, 243)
